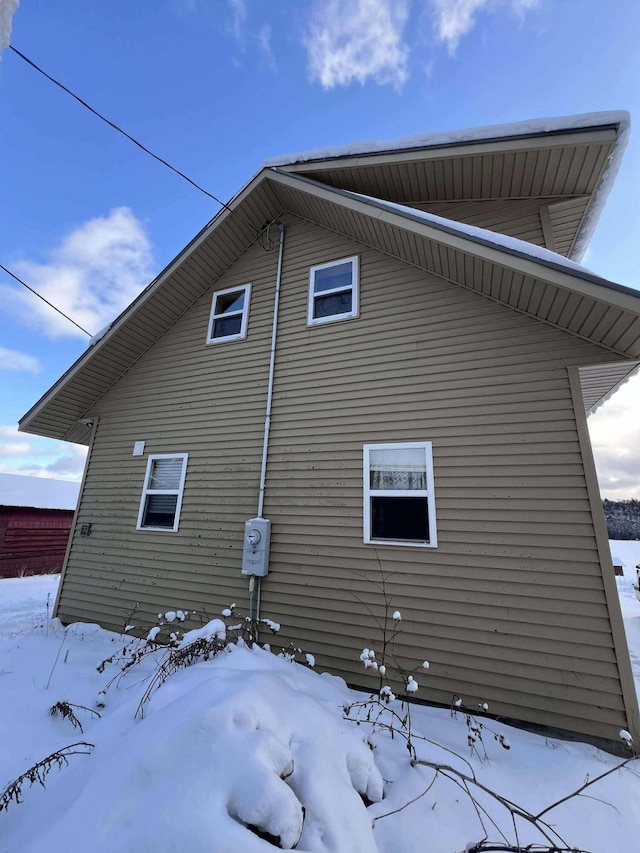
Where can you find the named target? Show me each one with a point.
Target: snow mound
(240, 752)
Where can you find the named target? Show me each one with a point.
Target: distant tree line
(623, 519)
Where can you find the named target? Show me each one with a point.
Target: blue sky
(215, 88)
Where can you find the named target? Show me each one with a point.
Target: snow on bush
(153, 633)
(214, 629)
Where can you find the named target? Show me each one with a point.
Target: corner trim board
(621, 648)
(72, 531)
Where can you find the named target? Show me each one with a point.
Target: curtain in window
(165, 473)
(402, 469)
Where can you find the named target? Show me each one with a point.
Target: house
(35, 520)
(389, 353)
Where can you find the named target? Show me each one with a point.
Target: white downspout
(267, 420)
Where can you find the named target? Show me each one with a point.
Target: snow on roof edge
(99, 335)
(528, 127)
(602, 191)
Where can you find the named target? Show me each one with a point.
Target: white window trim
(428, 493)
(317, 321)
(246, 288)
(147, 491)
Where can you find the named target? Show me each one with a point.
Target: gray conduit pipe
(267, 420)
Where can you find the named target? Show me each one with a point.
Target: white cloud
(8, 8)
(361, 40)
(264, 40)
(453, 19)
(11, 359)
(95, 272)
(615, 436)
(18, 448)
(355, 40)
(10, 432)
(39, 457)
(238, 10)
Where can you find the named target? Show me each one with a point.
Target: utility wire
(50, 304)
(129, 137)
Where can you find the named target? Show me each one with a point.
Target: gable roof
(531, 280)
(543, 180)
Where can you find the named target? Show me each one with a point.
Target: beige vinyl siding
(182, 396)
(510, 608)
(518, 218)
(563, 216)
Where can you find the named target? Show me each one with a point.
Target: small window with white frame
(333, 291)
(162, 492)
(399, 506)
(229, 314)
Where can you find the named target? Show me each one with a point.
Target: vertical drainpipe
(267, 420)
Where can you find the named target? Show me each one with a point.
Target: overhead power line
(129, 137)
(50, 304)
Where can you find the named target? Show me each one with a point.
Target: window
(229, 314)
(333, 291)
(399, 506)
(162, 492)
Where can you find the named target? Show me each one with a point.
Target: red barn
(35, 520)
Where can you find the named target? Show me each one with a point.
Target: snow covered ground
(628, 554)
(236, 752)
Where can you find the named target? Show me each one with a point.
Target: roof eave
(617, 123)
(456, 238)
(148, 292)
(599, 288)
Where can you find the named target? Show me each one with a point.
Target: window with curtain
(333, 291)
(162, 492)
(229, 314)
(399, 506)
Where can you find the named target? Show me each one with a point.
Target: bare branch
(583, 787)
(513, 808)
(39, 772)
(411, 802)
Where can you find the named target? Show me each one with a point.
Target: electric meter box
(255, 550)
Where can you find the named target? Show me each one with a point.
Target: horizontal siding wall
(516, 217)
(181, 396)
(510, 607)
